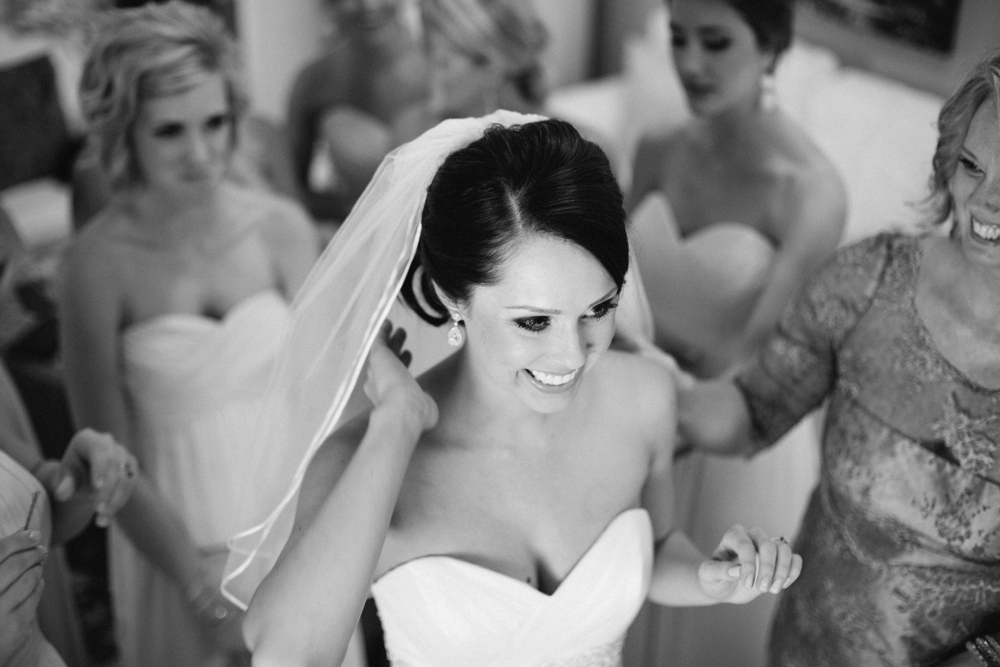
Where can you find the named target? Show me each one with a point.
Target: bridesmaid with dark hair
(746, 208)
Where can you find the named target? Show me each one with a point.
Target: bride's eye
(601, 310)
(533, 324)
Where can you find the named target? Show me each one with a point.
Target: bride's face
(534, 334)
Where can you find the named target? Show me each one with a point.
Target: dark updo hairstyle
(953, 124)
(537, 178)
(771, 21)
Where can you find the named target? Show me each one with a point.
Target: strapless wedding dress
(442, 611)
(193, 386)
(698, 292)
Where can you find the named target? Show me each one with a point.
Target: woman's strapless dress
(442, 611)
(193, 387)
(699, 292)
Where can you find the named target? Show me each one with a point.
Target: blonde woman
(173, 301)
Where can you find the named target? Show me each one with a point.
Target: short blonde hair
(145, 52)
(506, 33)
(953, 124)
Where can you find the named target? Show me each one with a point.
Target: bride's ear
(451, 304)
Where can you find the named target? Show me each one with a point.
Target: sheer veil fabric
(335, 318)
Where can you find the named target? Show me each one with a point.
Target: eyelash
(172, 130)
(969, 165)
(716, 45)
(538, 323)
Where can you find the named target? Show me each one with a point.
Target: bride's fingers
(767, 557)
(782, 566)
(794, 570)
(737, 541)
(397, 337)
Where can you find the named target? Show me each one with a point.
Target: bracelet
(206, 605)
(986, 649)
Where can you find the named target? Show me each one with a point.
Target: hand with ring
(747, 564)
(95, 476)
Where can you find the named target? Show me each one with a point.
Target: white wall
(277, 37)
(572, 32)
(976, 33)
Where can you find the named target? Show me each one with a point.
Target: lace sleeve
(797, 367)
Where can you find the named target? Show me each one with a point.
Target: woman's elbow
(283, 639)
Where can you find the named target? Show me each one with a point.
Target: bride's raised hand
(747, 564)
(390, 385)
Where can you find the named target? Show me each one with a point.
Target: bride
(506, 508)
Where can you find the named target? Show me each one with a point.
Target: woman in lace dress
(509, 505)
(901, 539)
(173, 302)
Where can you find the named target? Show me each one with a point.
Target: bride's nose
(570, 347)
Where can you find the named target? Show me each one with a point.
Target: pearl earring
(455, 335)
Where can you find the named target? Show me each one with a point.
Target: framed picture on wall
(923, 24)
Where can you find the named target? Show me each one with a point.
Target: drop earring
(768, 93)
(455, 335)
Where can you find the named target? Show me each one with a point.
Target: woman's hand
(747, 564)
(963, 659)
(94, 469)
(390, 384)
(21, 558)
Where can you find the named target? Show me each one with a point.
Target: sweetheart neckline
(205, 320)
(488, 572)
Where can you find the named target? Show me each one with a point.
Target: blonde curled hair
(150, 51)
(953, 124)
(505, 33)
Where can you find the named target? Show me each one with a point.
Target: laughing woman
(901, 539)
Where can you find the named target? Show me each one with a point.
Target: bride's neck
(475, 405)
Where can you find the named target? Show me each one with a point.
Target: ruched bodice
(702, 287)
(194, 387)
(441, 611)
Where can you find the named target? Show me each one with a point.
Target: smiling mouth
(552, 380)
(986, 232)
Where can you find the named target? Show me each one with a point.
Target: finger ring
(782, 539)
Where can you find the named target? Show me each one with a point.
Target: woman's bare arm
(305, 611)
(814, 219)
(92, 309)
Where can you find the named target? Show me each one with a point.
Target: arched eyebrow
(548, 311)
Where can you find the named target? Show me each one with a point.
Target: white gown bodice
(194, 386)
(441, 611)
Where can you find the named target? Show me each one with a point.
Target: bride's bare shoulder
(640, 387)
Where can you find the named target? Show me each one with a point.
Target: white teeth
(989, 232)
(553, 380)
